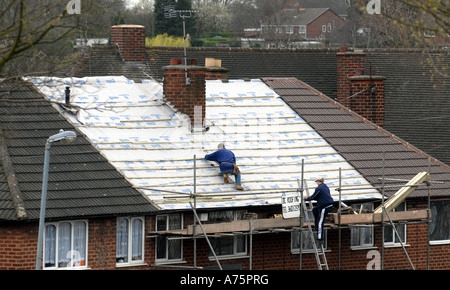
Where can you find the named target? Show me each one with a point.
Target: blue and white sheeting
(152, 145)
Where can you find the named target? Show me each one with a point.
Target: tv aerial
(171, 12)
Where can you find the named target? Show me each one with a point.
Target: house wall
(18, 242)
(18, 245)
(273, 251)
(314, 29)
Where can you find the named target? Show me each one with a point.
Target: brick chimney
(131, 42)
(358, 89)
(190, 97)
(367, 97)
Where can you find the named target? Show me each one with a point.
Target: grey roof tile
(82, 183)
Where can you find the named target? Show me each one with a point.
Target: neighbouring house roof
(152, 145)
(82, 183)
(362, 143)
(295, 16)
(338, 6)
(415, 89)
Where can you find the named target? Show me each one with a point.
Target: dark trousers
(319, 219)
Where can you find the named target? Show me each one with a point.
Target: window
(235, 245)
(307, 245)
(324, 28)
(289, 30)
(168, 248)
(130, 241)
(302, 29)
(440, 222)
(362, 237)
(390, 238)
(65, 245)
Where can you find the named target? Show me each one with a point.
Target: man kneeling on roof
(323, 207)
(227, 162)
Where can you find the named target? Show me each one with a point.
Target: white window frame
(324, 28)
(394, 243)
(290, 29)
(302, 29)
(362, 231)
(166, 259)
(75, 261)
(130, 239)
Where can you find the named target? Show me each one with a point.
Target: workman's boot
(238, 187)
(225, 178)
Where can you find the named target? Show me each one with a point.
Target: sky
(131, 3)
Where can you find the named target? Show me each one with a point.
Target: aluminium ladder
(318, 252)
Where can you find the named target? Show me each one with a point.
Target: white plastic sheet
(153, 146)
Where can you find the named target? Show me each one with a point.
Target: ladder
(319, 252)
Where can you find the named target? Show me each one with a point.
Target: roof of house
(338, 6)
(152, 145)
(271, 125)
(82, 183)
(362, 143)
(303, 16)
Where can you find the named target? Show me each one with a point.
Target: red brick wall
(314, 29)
(351, 84)
(18, 242)
(131, 41)
(185, 97)
(348, 64)
(369, 101)
(18, 245)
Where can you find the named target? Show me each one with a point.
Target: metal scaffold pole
(339, 219)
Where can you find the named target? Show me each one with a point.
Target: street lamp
(65, 137)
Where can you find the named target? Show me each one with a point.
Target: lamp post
(65, 137)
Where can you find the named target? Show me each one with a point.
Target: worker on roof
(323, 207)
(227, 162)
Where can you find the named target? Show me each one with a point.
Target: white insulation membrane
(154, 148)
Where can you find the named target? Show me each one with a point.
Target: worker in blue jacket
(227, 162)
(323, 207)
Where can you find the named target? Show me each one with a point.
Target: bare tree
(36, 35)
(27, 24)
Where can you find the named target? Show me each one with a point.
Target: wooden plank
(370, 218)
(244, 225)
(410, 215)
(403, 192)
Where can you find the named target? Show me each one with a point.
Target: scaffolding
(380, 217)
